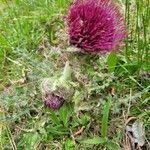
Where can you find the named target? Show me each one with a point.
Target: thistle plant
(95, 26)
(56, 90)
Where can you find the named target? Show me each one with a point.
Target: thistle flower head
(53, 101)
(95, 25)
(56, 89)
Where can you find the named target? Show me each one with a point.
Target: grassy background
(117, 85)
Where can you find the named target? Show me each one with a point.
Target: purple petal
(95, 25)
(54, 102)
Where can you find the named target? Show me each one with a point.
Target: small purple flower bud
(53, 101)
(57, 89)
(96, 25)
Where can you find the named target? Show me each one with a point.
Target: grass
(109, 91)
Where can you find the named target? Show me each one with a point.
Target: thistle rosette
(56, 89)
(96, 26)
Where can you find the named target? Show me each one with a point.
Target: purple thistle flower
(54, 102)
(95, 25)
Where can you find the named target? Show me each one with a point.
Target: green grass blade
(104, 124)
(112, 61)
(95, 141)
